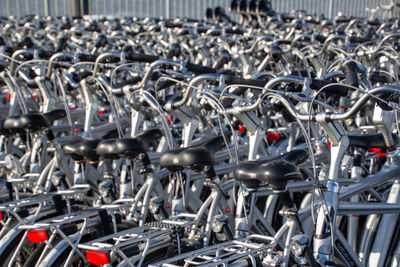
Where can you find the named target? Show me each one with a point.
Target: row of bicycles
(180, 142)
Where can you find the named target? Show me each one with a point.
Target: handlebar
(307, 117)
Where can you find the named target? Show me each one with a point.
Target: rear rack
(223, 254)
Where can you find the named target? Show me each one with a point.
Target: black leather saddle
(371, 141)
(198, 157)
(129, 147)
(86, 149)
(82, 149)
(276, 171)
(139, 144)
(107, 149)
(32, 121)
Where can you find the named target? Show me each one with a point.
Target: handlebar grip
(223, 59)
(139, 57)
(101, 41)
(164, 84)
(287, 17)
(250, 82)
(374, 22)
(26, 42)
(80, 75)
(2, 66)
(10, 49)
(379, 78)
(351, 74)
(199, 69)
(87, 57)
(284, 42)
(227, 101)
(320, 38)
(132, 80)
(390, 97)
(276, 53)
(343, 20)
(45, 54)
(171, 24)
(357, 39)
(2, 41)
(174, 51)
(61, 44)
(234, 31)
(111, 59)
(337, 90)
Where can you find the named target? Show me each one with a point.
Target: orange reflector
(272, 137)
(374, 150)
(37, 235)
(169, 119)
(97, 257)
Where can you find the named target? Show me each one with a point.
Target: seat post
(289, 209)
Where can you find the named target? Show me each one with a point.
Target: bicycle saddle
(140, 143)
(3, 131)
(82, 149)
(196, 157)
(33, 121)
(107, 149)
(276, 171)
(13, 125)
(371, 141)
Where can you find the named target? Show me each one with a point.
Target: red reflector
(102, 112)
(169, 120)
(341, 107)
(37, 235)
(329, 144)
(97, 257)
(74, 107)
(272, 136)
(1, 216)
(241, 128)
(76, 130)
(8, 97)
(231, 178)
(374, 150)
(381, 154)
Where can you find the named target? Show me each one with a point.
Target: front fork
(326, 220)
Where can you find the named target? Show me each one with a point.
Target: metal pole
(167, 8)
(28, 7)
(85, 7)
(330, 12)
(46, 7)
(18, 10)
(75, 8)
